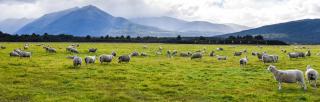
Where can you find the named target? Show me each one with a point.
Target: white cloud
(245, 12)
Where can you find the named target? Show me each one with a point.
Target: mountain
(88, 20)
(177, 25)
(12, 25)
(300, 31)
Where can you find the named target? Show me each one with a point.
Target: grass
(51, 77)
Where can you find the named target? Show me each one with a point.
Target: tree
(128, 37)
(88, 37)
(258, 37)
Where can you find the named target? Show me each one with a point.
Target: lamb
(113, 53)
(77, 61)
(270, 58)
(93, 50)
(211, 54)
(244, 61)
(312, 76)
(308, 53)
(134, 53)
(90, 59)
(237, 53)
(222, 57)
(143, 54)
(124, 58)
(105, 58)
(288, 76)
(196, 56)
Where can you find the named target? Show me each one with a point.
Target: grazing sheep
(301, 54)
(93, 50)
(90, 59)
(26, 47)
(259, 55)
(293, 55)
(124, 58)
(145, 47)
(237, 53)
(113, 53)
(270, 58)
(288, 76)
(169, 53)
(51, 50)
(308, 53)
(211, 54)
(143, 54)
(185, 54)
(174, 52)
(3, 47)
(77, 61)
(134, 53)
(312, 76)
(14, 54)
(222, 57)
(220, 49)
(74, 50)
(105, 58)
(254, 53)
(244, 61)
(196, 56)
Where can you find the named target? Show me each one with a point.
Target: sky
(253, 13)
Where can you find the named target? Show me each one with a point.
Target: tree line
(248, 39)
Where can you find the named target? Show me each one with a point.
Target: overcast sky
(245, 12)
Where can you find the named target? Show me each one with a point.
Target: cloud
(246, 12)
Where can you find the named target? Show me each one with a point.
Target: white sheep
(222, 57)
(270, 58)
(93, 50)
(124, 58)
(196, 56)
(312, 76)
(105, 58)
(77, 61)
(244, 61)
(90, 59)
(287, 76)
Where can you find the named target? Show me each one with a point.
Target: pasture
(52, 77)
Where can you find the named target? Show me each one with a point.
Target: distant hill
(300, 31)
(88, 20)
(12, 25)
(177, 25)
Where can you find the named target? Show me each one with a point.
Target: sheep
(143, 54)
(134, 53)
(158, 53)
(270, 58)
(211, 54)
(293, 55)
(3, 47)
(244, 51)
(174, 52)
(308, 53)
(220, 49)
(287, 76)
(93, 50)
(74, 50)
(51, 50)
(237, 53)
(254, 53)
(14, 54)
(160, 48)
(26, 47)
(312, 75)
(259, 55)
(196, 56)
(77, 61)
(185, 54)
(124, 58)
(105, 58)
(145, 47)
(244, 61)
(25, 54)
(283, 51)
(301, 54)
(90, 59)
(222, 57)
(169, 53)
(113, 53)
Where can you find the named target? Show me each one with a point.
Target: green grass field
(52, 77)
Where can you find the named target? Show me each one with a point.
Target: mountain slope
(88, 20)
(12, 25)
(300, 31)
(177, 25)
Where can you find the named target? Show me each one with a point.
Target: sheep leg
(303, 85)
(279, 86)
